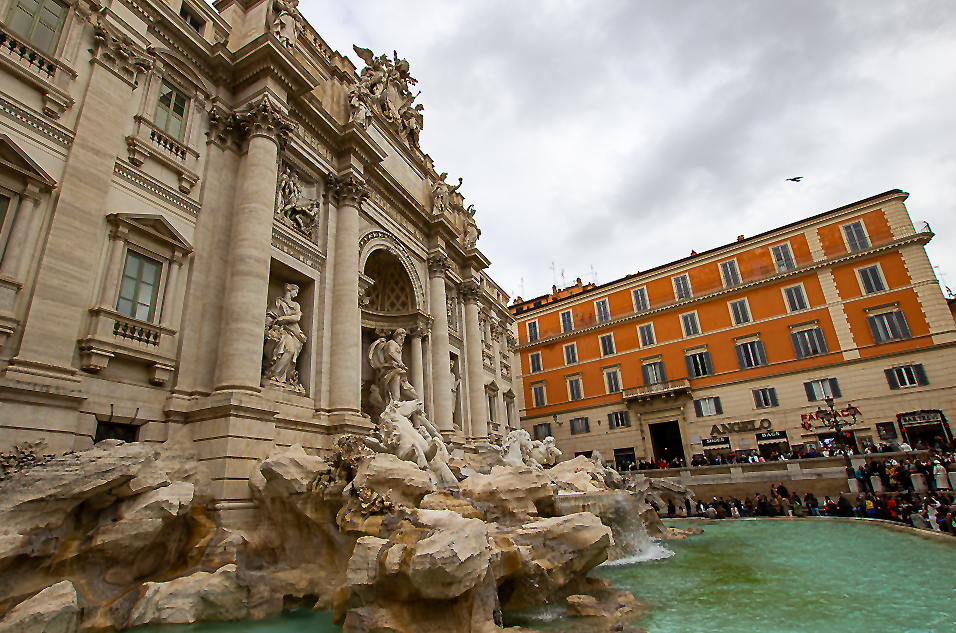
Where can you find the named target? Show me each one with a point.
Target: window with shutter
(570, 354)
(765, 398)
(689, 324)
(708, 406)
(532, 331)
(870, 279)
(618, 419)
(640, 300)
(906, 376)
(888, 326)
(783, 258)
(750, 354)
(653, 373)
(646, 332)
(808, 342)
(537, 391)
(682, 287)
(607, 344)
(739, 312)
(567, 321)
(730, 274)
(579, 425)
(574, 389)
(542, 431)
(822, 389)
(534, 360)
(699, 365)
(612, 379)
(603, 311)
(855, 236)
(796, 300)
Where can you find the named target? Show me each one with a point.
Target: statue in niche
(285, 26)
(455, 387)
(283, 342)
(300, 217)
(402, 429)
(441, 194)
(385, 357)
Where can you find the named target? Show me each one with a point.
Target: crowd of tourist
(931, 511)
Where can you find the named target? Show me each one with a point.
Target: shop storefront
(714, 446)
(772, 442)
(832, 442)
(924, 426)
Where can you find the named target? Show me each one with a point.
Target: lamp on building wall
(837, 423)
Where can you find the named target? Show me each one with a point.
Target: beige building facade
(207, 218)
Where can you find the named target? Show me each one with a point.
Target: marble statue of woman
(385, 357)
(284, 341)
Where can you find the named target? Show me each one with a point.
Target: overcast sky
(621, 135)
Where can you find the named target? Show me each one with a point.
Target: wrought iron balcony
(670, 387)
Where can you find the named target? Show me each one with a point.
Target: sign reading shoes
(745, 426)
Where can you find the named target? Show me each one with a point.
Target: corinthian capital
(348, 190)
(264, 119)
(438, 265)
(469, 290)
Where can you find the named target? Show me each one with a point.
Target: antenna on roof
(563, 283)
(554, 276)
(521, 287)
(594, 278)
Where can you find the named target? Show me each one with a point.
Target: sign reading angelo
(741, 427)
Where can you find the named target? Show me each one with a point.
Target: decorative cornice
(37, 123)
(155, 188)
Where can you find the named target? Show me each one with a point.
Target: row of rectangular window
(817, 390)
(580, 425)
(871, 281)
(764, 398)
(885, 327)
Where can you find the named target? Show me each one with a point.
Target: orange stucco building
(734, 349)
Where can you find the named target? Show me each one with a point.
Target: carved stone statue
(441, 194)
(383, 87)
(301, 217)
(472, 233)
(283, 342)
(545, 452)
(285, 26)
(385, 357)
(455, 386)
(359, 98)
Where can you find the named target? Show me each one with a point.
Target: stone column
(476, 386)
(441, 376)
(114, 267)
(172, 291)
(19, 239)
(247, 285)
(345, 381)
(418, 365)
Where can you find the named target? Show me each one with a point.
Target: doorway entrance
(666, 441)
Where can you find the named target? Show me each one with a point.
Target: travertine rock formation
(53, 610)
(378, 539)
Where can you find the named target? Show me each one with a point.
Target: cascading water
(619, 511)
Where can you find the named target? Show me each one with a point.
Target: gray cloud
(624, 134)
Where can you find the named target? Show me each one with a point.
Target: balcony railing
(755, 273)
(19, 50)
(657, 389)
(114, 334)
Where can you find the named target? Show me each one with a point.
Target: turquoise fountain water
(785, 576)
(750, 576)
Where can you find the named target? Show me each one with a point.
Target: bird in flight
(795, 179)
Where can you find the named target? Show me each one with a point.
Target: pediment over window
(491, 387)
(173, 61)
(509, 395)
(15, 159)
(154, 225)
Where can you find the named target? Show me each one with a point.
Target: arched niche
(383, 259)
